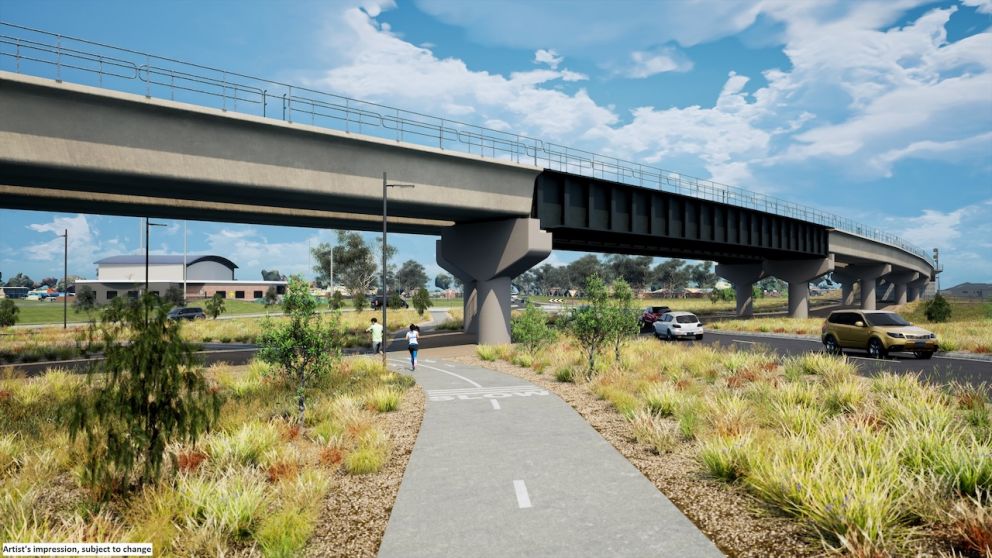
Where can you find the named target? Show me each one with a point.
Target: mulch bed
(357, 508)
(738, 523)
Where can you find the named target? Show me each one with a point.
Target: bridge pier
(743, 277)
(798, 274)
(470, 322)
(846, 282)
(487, 256)
(917, 288)
(867, 276)
(901, 281)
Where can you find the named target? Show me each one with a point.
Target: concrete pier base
(743, 277)
(488, 255)
(867, 277)
(798, 274)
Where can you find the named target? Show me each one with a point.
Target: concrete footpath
(504, 468)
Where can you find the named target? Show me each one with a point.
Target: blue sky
(879, 111)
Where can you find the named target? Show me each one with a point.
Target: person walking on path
(376, 330)
(413, 338)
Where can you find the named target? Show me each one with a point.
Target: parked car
(651, 314)
(877, 332)
(377, 303)
(675, 325)
(188, 313)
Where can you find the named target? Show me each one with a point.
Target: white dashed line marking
(495, 404)
(474, 383)
(523, 499)
(748, 342)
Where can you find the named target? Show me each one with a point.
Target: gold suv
(877, 332)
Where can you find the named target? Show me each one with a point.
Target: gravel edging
(735, 521)
(357, 508)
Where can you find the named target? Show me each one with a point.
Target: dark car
(190, 313)
(651, 314)
(393, 302)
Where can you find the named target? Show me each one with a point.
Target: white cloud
(86, 245)
(251, 250)
(983, 6)
(645, 64)
(547, 56)
(378, 65)
(951, 231)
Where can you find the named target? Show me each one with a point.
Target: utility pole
(65, 280)
(148, 226)
(385, 250)
(185, 251)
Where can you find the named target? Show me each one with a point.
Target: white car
(675, 325)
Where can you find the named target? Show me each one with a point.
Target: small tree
(85, 299)
(215, 306)
(531, 329)
(422, 301)
(938, 309)
(151, 394)
(306, 346)
(591, 323)
(337, 301)
(623, 316)
(359, 301)
(8, 312)
(174, 296)
(395, 300)
(270, 298)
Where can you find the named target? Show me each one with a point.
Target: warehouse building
(202, 276)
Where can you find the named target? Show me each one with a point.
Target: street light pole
(385, 250)
(148, 226)
(65, 280)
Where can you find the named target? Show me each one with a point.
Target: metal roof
(170, 259)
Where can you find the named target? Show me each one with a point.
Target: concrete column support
(470, 323)
(916, 288)
(798, 274)
(868, 276)
(487, 256)
(901, 281)
(846, 286)
(743, 277)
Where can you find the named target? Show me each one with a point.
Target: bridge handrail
(36, 52)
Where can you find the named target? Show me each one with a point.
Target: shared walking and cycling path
(502, 467)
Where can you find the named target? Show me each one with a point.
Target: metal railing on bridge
(63, 58)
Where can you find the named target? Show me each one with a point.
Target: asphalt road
(937, 370)
(502, 467)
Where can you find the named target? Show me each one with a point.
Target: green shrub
(655, 432)
(8, 312)
(284, 533)
(384, 399)
(232, 504)
(214, 306)
(937, 310)
(303, 347)
(725, 458)
(623, 401)
(487, 352)
(370, 455)
(522, 359)
(153, 394)
(246, 446)
(531, 330)
(421, 301)
(565, 374)
(662, 399)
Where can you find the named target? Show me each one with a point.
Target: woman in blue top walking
(413, 338)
